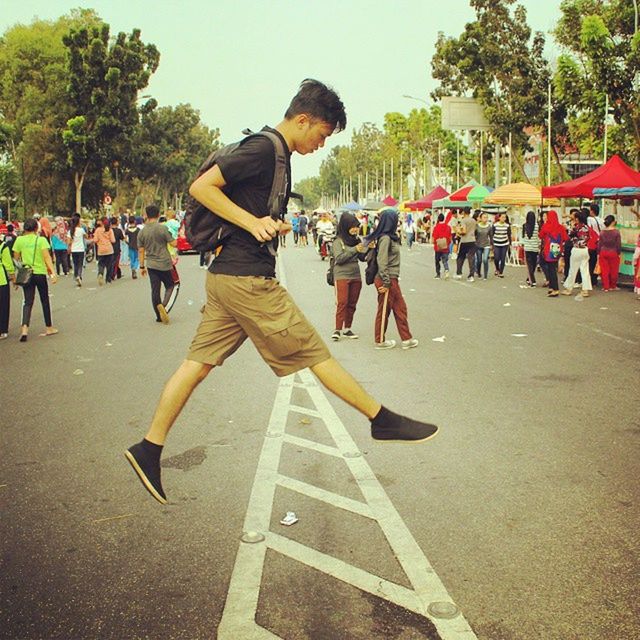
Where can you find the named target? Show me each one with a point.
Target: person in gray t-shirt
(155, 260)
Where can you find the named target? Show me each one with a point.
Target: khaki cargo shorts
(260, 309)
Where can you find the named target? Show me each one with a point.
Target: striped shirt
(531, 244)
(500, 234)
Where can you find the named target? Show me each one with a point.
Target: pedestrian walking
(500, 242)
(34, 251)
(531, 244)
(441, 237)
(131, 238)
(609, 249)
(244, 300)
(60, 244)
(77, 247)
(347, 251)
(390, 298)
(552, 235)
(295, 228)
(596, 225)
(7, 274)
(467, 247)
(303, 225)
(579, 235)
(104, 240)
(483, 244)
(155, 260)
(118, 234)
(409, 229)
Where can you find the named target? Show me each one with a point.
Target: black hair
(132, 220)
(595, 208)
(30, 224)
(530, 224)
(152, 211)
(320, 102)
(9, 228)
(584, 210)
(582, 215)
(609, 219)
(441, 217)
(106, 223)
(75, 221)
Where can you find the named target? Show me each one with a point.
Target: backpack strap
(280, 186)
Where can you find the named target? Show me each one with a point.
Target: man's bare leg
(340, 382)
(144, 457)
(174, 396)
(386, 426)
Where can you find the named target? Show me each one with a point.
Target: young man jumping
(244, 300)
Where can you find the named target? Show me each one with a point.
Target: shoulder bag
(24, 272)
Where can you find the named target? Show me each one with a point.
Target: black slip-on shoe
(391, 427)
(148, 470)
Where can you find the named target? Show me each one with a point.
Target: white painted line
(606, 333)
(314, 446)
(305, 411)
(238, 617)
(335, 500)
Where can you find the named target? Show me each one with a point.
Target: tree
(498, 61)
(170, 144)
(104, 80)
(310, 190)
(602, 59)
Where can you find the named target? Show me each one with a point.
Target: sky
(239, 62)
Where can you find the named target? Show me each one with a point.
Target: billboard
(463, 113)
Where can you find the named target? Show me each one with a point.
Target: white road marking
(606, 333)
(238, 618)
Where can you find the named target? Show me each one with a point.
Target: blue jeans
(500, 257)
(133, 259)
(445, 261)
(482, 257)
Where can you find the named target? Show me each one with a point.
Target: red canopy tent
(426, 202)
(614, 174)
(390, 201)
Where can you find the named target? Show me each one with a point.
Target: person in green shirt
(34, 250)
(6, 273)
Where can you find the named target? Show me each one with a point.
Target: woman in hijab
(531, 245)
(347, 250)
(553, 236)
(386, 282)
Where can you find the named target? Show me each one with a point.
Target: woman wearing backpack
(553, 236)
(347, 250)
(579, 235)
(386, 282)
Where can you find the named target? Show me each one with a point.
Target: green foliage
(104, 78)
(311, 191)
(169, 145)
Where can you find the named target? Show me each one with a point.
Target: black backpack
(207, 231)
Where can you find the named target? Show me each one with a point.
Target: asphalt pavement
(523, 511)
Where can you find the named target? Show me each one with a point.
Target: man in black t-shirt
(244, 300)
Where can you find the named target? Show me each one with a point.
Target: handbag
(597, 270)
(24, 272)
(371, 270)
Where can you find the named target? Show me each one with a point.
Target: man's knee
(194, 371)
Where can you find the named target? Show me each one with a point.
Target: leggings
(500, 257)
(532, 261)
(104, 266)
(5, 307)
(78, 263)
(37, 282)
(158, 278)
(62, 260)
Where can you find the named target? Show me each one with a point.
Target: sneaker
(437, 276)
(79, 281)
(391, 427)
(335, 336)
(148, 471)
(100, 280)
(410, 344)
(349, 334)
(446, 275)
(164, 316)
(470, 279)
(387, 344)
(567, 292)
(457, 277)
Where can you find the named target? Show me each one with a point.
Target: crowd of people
(62, 247)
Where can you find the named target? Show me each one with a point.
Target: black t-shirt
(117, 233)
(248, 173)
(132, 237)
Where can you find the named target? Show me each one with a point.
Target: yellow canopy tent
(519, 193)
